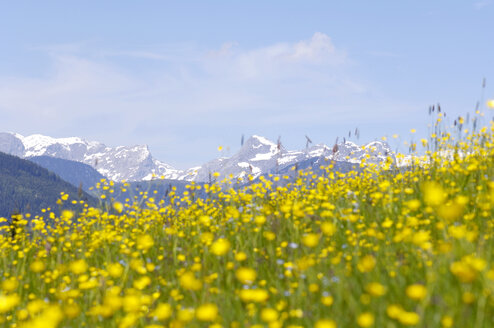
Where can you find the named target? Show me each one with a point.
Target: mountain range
(257, 156)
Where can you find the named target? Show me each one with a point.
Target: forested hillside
(27, 187)
(77, 174)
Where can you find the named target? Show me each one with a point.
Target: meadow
(383, 247)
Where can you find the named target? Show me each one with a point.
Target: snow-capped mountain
(133, 163)
(260, 156)
(257, 156)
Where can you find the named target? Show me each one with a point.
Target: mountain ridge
(257, 156)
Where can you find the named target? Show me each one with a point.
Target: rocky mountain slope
(257, 156)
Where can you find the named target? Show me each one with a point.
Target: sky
(185, 77)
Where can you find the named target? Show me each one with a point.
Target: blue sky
(185, 77)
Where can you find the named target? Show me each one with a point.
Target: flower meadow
(379, 247)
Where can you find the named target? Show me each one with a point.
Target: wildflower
(118, 207)
(375, 289)
(67, 215)
(78, 267)
(142, 283)
(8, 302)
(325, 323)
(253, 295)
(416, 292)
(37, 266)
(365, 319)
(131, 303)
(328, 228)
(72, 311)
(162, 312)
(207, 312)
(450, 211)
(467, 269)
(447, 321)
(434, 194)
(269, 315)
(115, 270)
(220, 247)
(11, 284)
(189, 281)
(186, 315)
(310, 240)
(394, 311)
(409, 318)
(145, 242)
(327, 300)
(240, 256)
(366, 264)
(246, 275)
(260, 220)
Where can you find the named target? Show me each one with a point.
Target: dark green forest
(26, 187)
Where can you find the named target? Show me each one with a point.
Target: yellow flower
(413, 204)
(327, 300)
(260, 219)
(434, 194)
(115, 270)
(394, 311)
(145, 242)
(11, 284)
(246, 275)
(118, 207)
(186, 315)
(269, 315)
(8, 302)
(189, 281)
(142, 283)
(207, 312)
(71, 311)
(220, 247)
(409, 318)
(131, 303)
(240, 256)
(375, 289)
(447, 321)
(490, 103)
(365, 319)
(310, 240)
(67, 215)
(37, 266)
(468, 298)
(328, 228)
(207, 238)
(254, 295)
(450, 211)
(325, 323)
(463, 271)
(366, 264)
(78, 266)
(416, 292)
(162, 312)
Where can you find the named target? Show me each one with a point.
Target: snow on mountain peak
(262, 140)
(257, 156)
(132, 163)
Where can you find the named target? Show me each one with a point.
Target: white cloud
(181, 93)
(481, 4)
